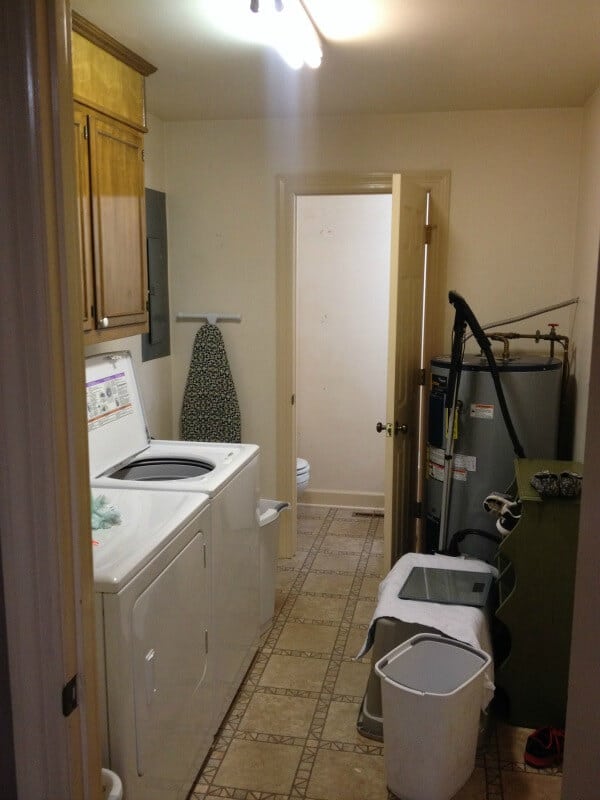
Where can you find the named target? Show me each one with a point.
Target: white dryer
(152, 586)
(123, 455)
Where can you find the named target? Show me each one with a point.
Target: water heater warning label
(461, 464)
(108, 399)
(481, 411)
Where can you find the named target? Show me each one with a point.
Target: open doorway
(342, 299)
(290, 189)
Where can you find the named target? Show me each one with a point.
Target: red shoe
(544, 747)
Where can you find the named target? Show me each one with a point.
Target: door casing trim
(289, 188)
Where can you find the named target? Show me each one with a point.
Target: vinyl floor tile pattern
(291, 731)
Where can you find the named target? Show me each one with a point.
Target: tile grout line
(493, 773)
(228, 731)
(307, 760)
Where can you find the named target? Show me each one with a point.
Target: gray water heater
(483, 452)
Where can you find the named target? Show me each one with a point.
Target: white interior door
(409, 202)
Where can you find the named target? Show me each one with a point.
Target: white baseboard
(322, 497)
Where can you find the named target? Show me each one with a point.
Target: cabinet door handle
(103, 323)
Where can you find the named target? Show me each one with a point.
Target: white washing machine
(152, 586)
(122, 454)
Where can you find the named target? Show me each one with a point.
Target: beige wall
(513, 214)
(586, 260)
(153, 376)
(342, 278)
(154, 154)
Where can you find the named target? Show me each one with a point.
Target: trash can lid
(432, 664)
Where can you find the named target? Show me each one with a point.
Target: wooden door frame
(289, 188)
(45, 553)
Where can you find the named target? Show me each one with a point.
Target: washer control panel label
(108, 399)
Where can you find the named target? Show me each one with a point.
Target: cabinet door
(118, 212)
(84, 215)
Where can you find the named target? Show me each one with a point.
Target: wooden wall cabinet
(109, 126)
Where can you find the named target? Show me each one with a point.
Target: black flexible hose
(464, 315)
(456, 360)
(459, 536)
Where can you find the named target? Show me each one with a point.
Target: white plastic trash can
(431, 692)
(112, 787)
(268, 519)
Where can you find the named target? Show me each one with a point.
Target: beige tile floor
(291, 731)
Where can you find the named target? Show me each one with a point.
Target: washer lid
(116, 424)
(149, 521)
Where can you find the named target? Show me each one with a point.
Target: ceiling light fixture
(289, 29)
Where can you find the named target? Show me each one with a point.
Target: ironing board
(210, 411)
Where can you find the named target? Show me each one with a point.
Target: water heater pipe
(528, 315)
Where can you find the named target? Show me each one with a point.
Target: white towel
(464, 623)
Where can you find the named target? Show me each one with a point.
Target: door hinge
(143, 155)
(422, 377)
(428, 231)
(69, 696)
(204, 548)
(418, 509)
(293, 400)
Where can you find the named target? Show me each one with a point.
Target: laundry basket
(431, 688)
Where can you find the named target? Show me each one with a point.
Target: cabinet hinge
(205, 641)
(143, 155)
(204, 548)
(69, 696)
(428, 231)
(418, 510)
(422, 377)
(86, 132)
(293, 400)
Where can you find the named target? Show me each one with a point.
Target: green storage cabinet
(536, 562)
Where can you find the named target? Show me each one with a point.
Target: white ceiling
(418, 55)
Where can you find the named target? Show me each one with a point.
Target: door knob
(390, 428)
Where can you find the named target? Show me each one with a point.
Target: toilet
(302, 474)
